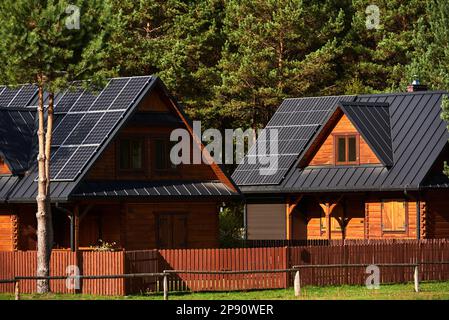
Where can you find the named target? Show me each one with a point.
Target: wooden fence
(23, 263)
(237, 259)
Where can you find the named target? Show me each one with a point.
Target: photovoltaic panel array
(16, 134)
(295, 122)
(17, 97)
(86, 121)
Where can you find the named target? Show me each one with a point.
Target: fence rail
(242, 262)
(166, 273)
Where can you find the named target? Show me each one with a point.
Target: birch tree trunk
(48, 144)
(43, 245)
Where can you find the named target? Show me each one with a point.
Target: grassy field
(430, 290)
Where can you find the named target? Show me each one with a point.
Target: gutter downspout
(72, 225)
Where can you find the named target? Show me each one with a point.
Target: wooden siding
(202, 223)
(6, 231)
(27, 227)
(266, 221)
(437, 213)
(325, 153)
(4, 169)
(364, 219)
(374, 226)
(130, 225)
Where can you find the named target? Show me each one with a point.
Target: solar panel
(103, 127)
(63, 129)
(7, 95)
(84, 102)
(109, 94)
(23, 96)
(82, 129)
(76, 163)
(85, 122)
(59, 159)
(68, 100)
(130, 93)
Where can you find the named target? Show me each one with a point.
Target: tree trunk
(43, 245)
(48, 143)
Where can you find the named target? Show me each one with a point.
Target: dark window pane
(341, 150)
(136, 154)
(352, 149)
(124, 154)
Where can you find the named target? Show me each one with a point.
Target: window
(346, 149)
(131, 154)
(171, 230)
(161, 152)
(394, 215)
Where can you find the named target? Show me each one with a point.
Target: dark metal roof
(297, 121)
(7, 183)
(150, 189)
(418, 136)
(85, 125)
(372, 120)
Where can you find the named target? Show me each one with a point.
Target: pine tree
(430, 60)
(375, 58)
(180, 41)
(41, 44)
(275, 49)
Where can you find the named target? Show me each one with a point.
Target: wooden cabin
(112, 178)
(352, 167)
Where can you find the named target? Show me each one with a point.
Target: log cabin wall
(201, 228)
(437, 214)
(325, 153)
(131, 226)
(364, 216)
(352, 207)
(374, 223)
(8, 229)
(4, 169)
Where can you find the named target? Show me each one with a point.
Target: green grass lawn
(429, 290)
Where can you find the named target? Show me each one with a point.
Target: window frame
(144, 159)
(406, 217)
(158, 171)
(346, 136)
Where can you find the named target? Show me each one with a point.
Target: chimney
(416, 86)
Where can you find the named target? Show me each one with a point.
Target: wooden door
(172, 231)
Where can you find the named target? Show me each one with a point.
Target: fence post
(165, 286)
(17, 290)
(297, 284)
(416, 278)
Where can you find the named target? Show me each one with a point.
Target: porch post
(290, 207)
(328, 207)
